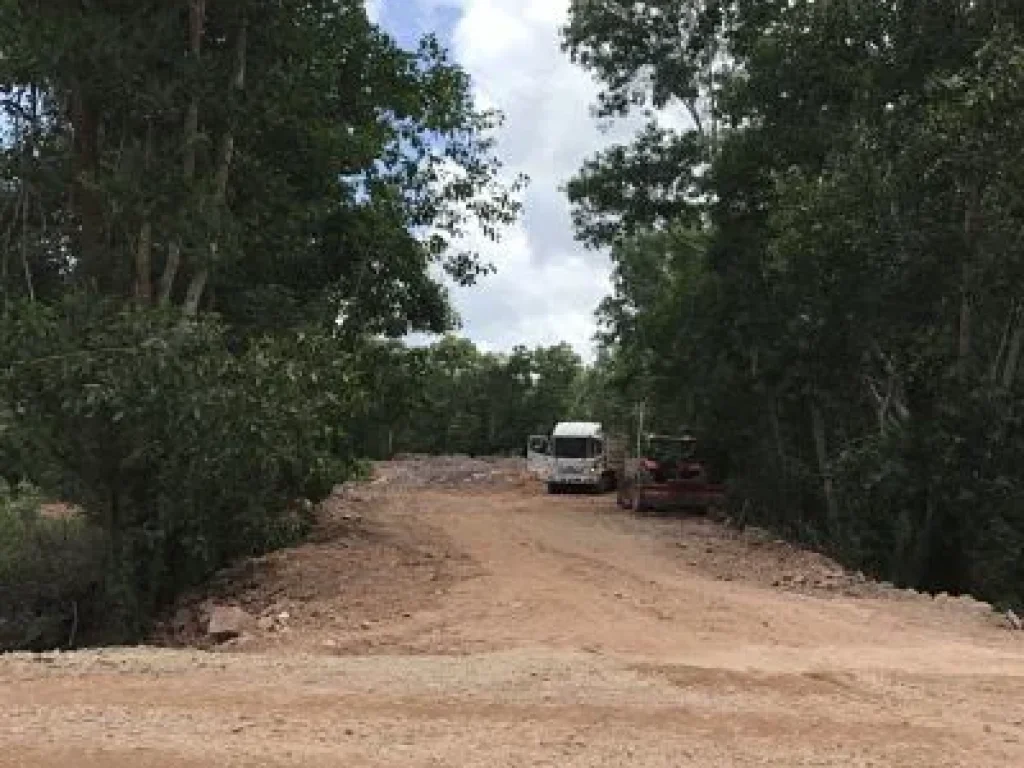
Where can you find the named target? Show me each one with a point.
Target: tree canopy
(822, 270)
(280, 163)
(453, 398)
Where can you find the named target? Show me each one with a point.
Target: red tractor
(666, 475)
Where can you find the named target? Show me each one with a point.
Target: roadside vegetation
(207, 218)
(823, 272)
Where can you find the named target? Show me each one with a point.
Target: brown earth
(450, 613)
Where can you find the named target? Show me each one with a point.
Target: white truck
(577, 455)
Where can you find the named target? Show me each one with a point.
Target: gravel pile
(415, 471)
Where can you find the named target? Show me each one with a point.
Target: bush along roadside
(50, 572)
(182, 453)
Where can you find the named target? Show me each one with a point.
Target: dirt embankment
(451, 613)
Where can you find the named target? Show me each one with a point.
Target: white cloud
(533, 300)
(547, 286)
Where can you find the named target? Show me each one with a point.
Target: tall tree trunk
(196, 19)
(86, 205)
(1004, 341)
(171, 267)
(821, 450)
(226, 154)
(780, 446)
(964, 336)
(194, 294)
(27, 136)
(966, 279)
(144, 247)
(144, 265)
(29, 284)
(713, 97)
(1013, 358)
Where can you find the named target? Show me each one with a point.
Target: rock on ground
(227, 622)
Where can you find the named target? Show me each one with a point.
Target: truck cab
(577, 458)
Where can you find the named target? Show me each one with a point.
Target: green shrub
(50, 572)
(187, 453)
(937, 504)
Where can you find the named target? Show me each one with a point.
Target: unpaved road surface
(443, 620)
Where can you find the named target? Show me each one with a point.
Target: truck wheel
(638, 503)
(553, 488)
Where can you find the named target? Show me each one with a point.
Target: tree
(841, 313)
(453, 398)
(249, 154)
(210, 214)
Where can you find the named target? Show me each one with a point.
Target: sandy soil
(447, 615)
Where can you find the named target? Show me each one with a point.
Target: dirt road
(482, 623)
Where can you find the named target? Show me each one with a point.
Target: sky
(547, 287)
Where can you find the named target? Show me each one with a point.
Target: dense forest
(218, 220)
(451, 398)
(823, 273)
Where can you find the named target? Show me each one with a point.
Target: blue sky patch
(409, 21)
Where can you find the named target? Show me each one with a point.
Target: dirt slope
(452, 614)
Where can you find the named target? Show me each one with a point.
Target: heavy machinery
(666, 474)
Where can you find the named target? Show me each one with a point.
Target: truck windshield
(571, 447)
